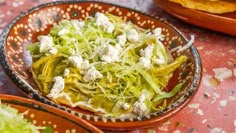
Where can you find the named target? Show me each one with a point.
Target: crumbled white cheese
(53, 50)
(66, 72)
(84, 66)
(142, 97)
(158, 34)
(145, 62)
(125, 106)
(109, 27)
(222, 73)
(76, 60)
(121, 39)
(109, 54)
(63, 31)
(147, 52)
(46, 43)
(27, 59)
(102, 20)
(92, 74)
(140, 107)
(132, 35)
(157, 31)
(80, 63)
(78, 25)
(57, 87)
(146, 55)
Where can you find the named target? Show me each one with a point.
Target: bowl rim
(145, 121)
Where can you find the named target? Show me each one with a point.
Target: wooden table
(213, 109)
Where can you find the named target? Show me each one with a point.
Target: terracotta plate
(53, 119)
(225, 23)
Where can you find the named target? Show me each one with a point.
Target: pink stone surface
(212, 110)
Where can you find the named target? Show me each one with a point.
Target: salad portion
(105, 65)
(11, 121)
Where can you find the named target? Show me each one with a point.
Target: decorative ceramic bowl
(25, 28)
(54, 120)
